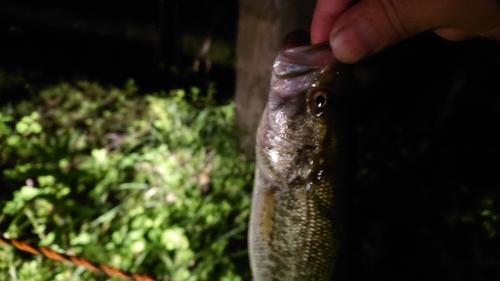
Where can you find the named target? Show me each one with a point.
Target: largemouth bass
(294, 232)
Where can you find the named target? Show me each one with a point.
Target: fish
(295, 220)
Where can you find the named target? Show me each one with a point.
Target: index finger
(325, 14)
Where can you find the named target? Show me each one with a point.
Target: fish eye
(320, 99)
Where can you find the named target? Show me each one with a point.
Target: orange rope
(24, 247)
(53, 255)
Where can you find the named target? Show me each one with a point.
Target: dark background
(153, 42)
(425, 202)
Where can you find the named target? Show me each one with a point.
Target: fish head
(298, 131)
(304, 87)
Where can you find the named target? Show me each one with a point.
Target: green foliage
(150, 184)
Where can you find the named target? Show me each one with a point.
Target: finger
(325, 14)
(492, 33)
(371, 26)
(453, 34)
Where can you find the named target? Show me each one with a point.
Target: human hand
(367, 27)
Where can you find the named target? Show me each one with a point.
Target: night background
(92, 160)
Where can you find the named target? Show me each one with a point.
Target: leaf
(27, 193)
(174, 238)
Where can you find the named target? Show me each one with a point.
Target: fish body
(293, 232)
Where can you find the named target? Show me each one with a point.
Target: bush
(150, 184)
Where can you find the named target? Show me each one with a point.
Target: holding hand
(369, 26)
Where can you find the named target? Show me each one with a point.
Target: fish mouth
(302, 60)
(295, 70)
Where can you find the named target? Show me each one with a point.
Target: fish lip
(301, 60)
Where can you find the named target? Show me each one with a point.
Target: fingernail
(352, 43)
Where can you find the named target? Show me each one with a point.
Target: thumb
(370, 26)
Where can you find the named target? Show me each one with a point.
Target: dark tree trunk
(261, 27)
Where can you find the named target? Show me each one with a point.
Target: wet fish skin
(294, 224)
